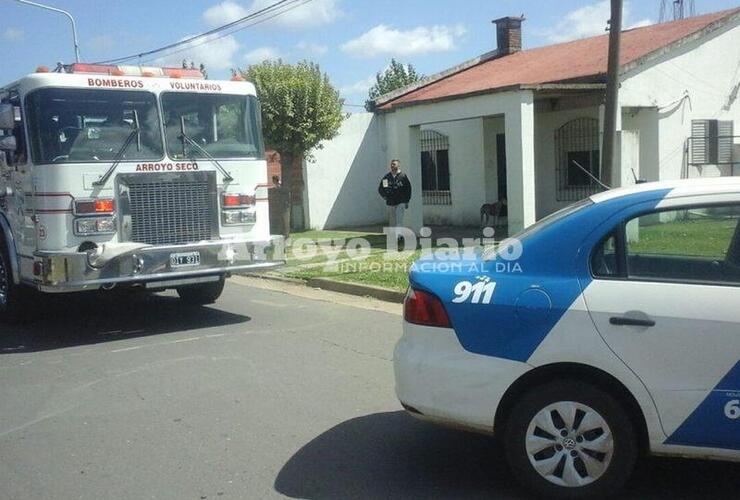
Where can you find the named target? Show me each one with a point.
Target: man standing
(395, 189)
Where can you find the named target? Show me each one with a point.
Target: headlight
(95, 225)
(238, 217)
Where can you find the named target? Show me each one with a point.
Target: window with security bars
(435, 168)
(578, 159)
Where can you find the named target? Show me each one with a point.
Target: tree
(394, 77)
(300, 109)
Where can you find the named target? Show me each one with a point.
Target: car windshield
(224, 126)
(86, 125)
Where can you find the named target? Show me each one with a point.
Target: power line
(189, 46)
(208, 34)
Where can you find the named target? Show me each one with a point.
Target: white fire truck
(116, 175)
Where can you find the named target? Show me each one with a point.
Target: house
(527, 125)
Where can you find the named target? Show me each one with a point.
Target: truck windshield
(226, 126)
(86, 125)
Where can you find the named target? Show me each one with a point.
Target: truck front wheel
(203, 293)
(12, 296)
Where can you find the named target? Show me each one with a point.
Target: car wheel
(202, 294)
(570, 439)
(12, 296)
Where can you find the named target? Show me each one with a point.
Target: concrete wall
(467, 178)
(342, 181)
(695, 81)
(403, 130)
(546, 124)
(492, 126)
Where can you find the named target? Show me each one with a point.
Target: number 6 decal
(732, 409)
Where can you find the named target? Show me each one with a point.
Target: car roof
(674, 188)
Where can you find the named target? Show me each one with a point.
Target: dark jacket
(398, 190)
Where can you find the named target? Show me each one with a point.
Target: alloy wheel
(569, 444)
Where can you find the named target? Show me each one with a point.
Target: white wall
(467, 178)
(546, 124)
(705, 71)
(492, 126)
(403, 126)
(342, 182)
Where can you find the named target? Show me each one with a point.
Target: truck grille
(171, 210)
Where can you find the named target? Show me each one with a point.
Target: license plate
(185, 259)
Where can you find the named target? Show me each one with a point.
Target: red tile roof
(580, 60)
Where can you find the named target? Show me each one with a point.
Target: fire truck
(130, 176)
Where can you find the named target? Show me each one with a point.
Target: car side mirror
(7, 117)
(8, 143)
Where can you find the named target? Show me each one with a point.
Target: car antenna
(637, 179)
(590, 175)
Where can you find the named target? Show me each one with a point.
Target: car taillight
(423, 308)
(95, 206)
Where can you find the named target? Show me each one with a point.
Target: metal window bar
(577, 137)
(436, 197)
(432, 142)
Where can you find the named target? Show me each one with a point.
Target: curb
(376, 292)
(277, 277)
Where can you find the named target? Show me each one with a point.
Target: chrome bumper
(150, 265)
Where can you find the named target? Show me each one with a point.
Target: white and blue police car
(615, 333)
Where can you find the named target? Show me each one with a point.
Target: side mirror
(8, 143)
(7, 117)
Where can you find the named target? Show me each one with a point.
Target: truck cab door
(665, 298)
(16, 184)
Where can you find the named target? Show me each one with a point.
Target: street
(266, 394)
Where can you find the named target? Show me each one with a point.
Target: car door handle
(623, 321)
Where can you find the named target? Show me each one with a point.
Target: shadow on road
(391, 455)
(90, 318)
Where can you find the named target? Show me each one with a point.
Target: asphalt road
(264, 395)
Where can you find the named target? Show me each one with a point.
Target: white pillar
(519, 126)
(415, 213)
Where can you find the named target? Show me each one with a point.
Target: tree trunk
(287, 161)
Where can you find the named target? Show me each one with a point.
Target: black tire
(13, 298)
(607, 472)
(203, 293)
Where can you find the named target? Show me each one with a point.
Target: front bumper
(150, 265)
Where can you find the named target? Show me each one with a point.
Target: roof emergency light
(126, 70)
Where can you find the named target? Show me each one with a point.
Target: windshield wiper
(136, 133)
(185, 138)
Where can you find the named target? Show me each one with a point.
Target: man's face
(394, 167)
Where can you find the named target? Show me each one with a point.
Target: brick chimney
(509, 35)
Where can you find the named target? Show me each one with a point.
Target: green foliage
(396, 76)
(300, 107)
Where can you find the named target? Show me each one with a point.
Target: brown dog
(493, 211)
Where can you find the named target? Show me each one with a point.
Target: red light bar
(92, 68)
(146, 71)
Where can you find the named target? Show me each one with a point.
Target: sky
(351, 40)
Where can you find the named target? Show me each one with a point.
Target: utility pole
(612, 93)
(59, 11)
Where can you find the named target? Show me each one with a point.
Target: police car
(609, 329)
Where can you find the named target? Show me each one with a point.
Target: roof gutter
(540, 87)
